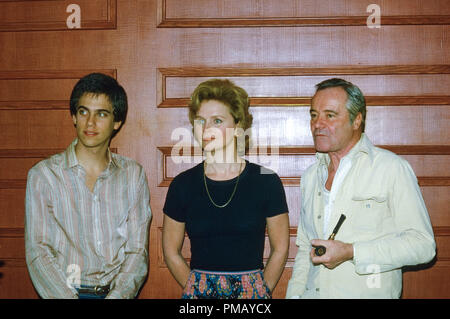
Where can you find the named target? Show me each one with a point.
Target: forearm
(134, 268)
(274, 268)
(178, 267)
(394, 251)
(48, 279)
(132, 274)
(278, 231)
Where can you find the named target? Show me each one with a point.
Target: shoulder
(310, 171)
(44, 174)
(128, 164)
(51, 163)
(130, 172)
(262, 174)
(180, 188)
(383, 167)
(124, 161)
(189, 175)
(387, 160)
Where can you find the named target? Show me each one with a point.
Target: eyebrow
(215, 115)
(325, 111)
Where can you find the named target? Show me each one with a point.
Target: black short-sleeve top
(230, 238)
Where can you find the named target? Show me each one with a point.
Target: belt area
(96, 290)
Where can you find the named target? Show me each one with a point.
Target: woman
(225, 204)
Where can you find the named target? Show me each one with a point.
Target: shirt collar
(71, 157)
(72, 161)
(113, 159)
(364, 146)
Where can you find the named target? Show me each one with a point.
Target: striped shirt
(74, 236)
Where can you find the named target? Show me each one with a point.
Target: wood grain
(51, 15)
(159, 50)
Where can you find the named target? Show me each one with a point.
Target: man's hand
(337, 252)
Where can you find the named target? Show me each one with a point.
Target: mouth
(319, 134)
(90, 133)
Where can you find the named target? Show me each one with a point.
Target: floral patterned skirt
(226, 285)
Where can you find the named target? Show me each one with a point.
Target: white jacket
(387, 223)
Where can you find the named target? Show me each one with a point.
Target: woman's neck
(224, 171)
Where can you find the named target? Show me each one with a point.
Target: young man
(87, 209)
(387, 224)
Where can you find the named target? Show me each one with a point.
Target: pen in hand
(321, 250)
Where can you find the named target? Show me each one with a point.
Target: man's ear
(74, 119)
(357, 121)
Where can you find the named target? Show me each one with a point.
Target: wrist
(349, 249)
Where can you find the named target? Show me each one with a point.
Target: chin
(321, 149)
(90, 143)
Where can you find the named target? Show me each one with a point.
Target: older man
(387, 224)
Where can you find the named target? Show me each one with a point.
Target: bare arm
(172, 242)
(278, 230)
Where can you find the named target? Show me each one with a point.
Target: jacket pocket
(369, 213)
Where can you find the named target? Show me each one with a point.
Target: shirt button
(319, 193)
(318, 217)
(317, 289)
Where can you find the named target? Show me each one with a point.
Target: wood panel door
(159, 50)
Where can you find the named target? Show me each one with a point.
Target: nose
(91, 119)
(317, 122)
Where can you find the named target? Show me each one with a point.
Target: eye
(102, 114)
(82, 111)
(313, 115)
(199, 121)
(217, 121)
(330, 115)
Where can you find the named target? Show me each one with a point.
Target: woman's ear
(238, 130)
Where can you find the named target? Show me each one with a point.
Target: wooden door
(159, 50)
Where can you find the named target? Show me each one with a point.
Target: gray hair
(356, 103)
